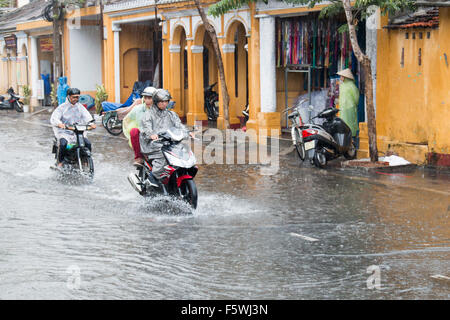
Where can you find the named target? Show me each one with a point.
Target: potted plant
(100, 96)
(54, 96)
(26, 98)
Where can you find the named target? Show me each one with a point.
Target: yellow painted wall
(4, 73)
(413, 101)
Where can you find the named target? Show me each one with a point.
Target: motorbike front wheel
(189, 192)
(18, 105)
(87, 165)
(112, 126)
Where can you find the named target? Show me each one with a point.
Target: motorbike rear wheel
(112, 126)
(18, 105)
(189, 192)
(320, 160)
(351, 153)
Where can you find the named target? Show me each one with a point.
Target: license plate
(309, 145)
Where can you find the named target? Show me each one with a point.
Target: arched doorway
(179, 83)
(237, 72)
(23, 66)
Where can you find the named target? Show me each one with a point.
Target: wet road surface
(304, 233)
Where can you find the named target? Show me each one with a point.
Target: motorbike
(211, 102)
(12, 103)
(322, 143)
(78, 156)
(179, 173)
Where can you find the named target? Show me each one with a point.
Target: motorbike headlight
(175, 161)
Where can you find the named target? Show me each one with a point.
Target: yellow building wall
(4, 73)
(413, 101)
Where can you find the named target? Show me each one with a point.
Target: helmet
(148, 92)
(161, 95)
(72, 91)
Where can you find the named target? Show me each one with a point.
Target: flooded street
(304, 233)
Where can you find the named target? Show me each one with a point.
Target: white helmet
(149, 92)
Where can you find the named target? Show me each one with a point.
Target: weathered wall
(413, 92)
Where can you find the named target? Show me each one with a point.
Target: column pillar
(268, 118)
(228, 51)
(196, 97)
(267, 65)
(33, 54)
(174, 77)
(116, 29)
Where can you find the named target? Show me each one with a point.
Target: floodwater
(304, 233)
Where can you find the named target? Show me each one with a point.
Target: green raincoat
(348, 104)
(133, 120)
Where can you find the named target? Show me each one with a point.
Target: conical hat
(346, 73)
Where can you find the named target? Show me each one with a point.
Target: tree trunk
(57, 25)
(157, 83)
(366, 64)
(224, 90)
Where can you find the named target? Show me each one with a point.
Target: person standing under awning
(348, 101)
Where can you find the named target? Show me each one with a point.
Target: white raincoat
(69, 114)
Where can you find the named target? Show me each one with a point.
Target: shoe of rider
(138, 162)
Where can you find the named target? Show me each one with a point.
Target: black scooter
(12, 103)
(78, 157)
(329, 141)
(211, 102)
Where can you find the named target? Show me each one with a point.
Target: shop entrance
(139, 60)
(309, 43)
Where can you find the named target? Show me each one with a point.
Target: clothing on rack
(314, 41)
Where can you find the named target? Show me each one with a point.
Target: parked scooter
(12, 103)
(321, 143)
(180, 171)
(78, 156)
(211, 102)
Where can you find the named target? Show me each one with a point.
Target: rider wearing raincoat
(69, 112)
(348, 100)
(132, 123)
(158, 119)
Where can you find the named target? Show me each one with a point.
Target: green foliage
(361, 8)
(6, 4)
(100, 96)
(54, 96)
(27, 94)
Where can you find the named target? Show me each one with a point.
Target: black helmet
(161, 95)
(72, 91)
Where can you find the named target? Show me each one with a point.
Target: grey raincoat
(156, 121)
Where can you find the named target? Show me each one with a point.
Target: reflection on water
(238, 244)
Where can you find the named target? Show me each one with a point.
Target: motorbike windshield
(176, 134)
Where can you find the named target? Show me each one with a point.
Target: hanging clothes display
(314, 41)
